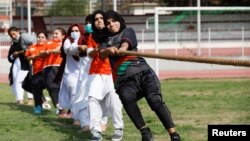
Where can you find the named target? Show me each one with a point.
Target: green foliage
(194, 104)
(68, 8)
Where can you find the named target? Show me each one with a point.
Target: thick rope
(244, 63)
(233, 62)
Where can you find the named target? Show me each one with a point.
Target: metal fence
(214, 43)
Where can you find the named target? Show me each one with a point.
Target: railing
(178, 40)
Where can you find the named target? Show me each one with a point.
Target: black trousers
(53, 87)
(143, 84)
(38, 84)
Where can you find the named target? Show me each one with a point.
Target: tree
(69, 8)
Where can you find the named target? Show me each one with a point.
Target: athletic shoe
(118, 134)
(175, 137)
(46, 105)
(96, 136)
(38, 109)
(146, 134)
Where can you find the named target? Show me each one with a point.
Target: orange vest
(98, 65)
(53, 59)
(38, 62)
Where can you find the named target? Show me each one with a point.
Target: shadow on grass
(24, 108)
(48, 117)
(66, 126)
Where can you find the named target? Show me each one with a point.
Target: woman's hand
(104, 53)
(44, 53)
(15, 54)
(113, 50)
(55, 51)
(82, 48)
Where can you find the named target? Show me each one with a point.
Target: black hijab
(98, 35)
(116, 17)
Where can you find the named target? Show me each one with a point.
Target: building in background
(5, 14)
(16, 10)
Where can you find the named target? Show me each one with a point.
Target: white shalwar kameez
(69, 96)
(18, 78)
(103, 101)
(81, 97)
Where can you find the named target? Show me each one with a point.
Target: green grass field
(194, 104)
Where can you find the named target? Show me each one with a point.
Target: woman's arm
(70, 48)
(124, 47)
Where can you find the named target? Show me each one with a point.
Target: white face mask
(75, 35)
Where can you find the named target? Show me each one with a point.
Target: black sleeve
(11, 51)
(129, 36)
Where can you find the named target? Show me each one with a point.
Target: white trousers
(103, 101)
(67, 89)
(18, 77)
(80, 98)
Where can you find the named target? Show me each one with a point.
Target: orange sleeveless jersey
(53, 59)
(38, 62)
(98, 65)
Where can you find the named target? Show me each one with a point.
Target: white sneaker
(46, 106)
(96, 136)
(118, 134)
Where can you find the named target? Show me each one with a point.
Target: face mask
(75, 35)
(88, 28)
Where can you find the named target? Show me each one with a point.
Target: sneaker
(118, 134)
(38, 109)
(46, 105)
(96, 136)
(175, 137)
(146, 134)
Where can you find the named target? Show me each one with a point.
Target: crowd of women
(87, 77)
